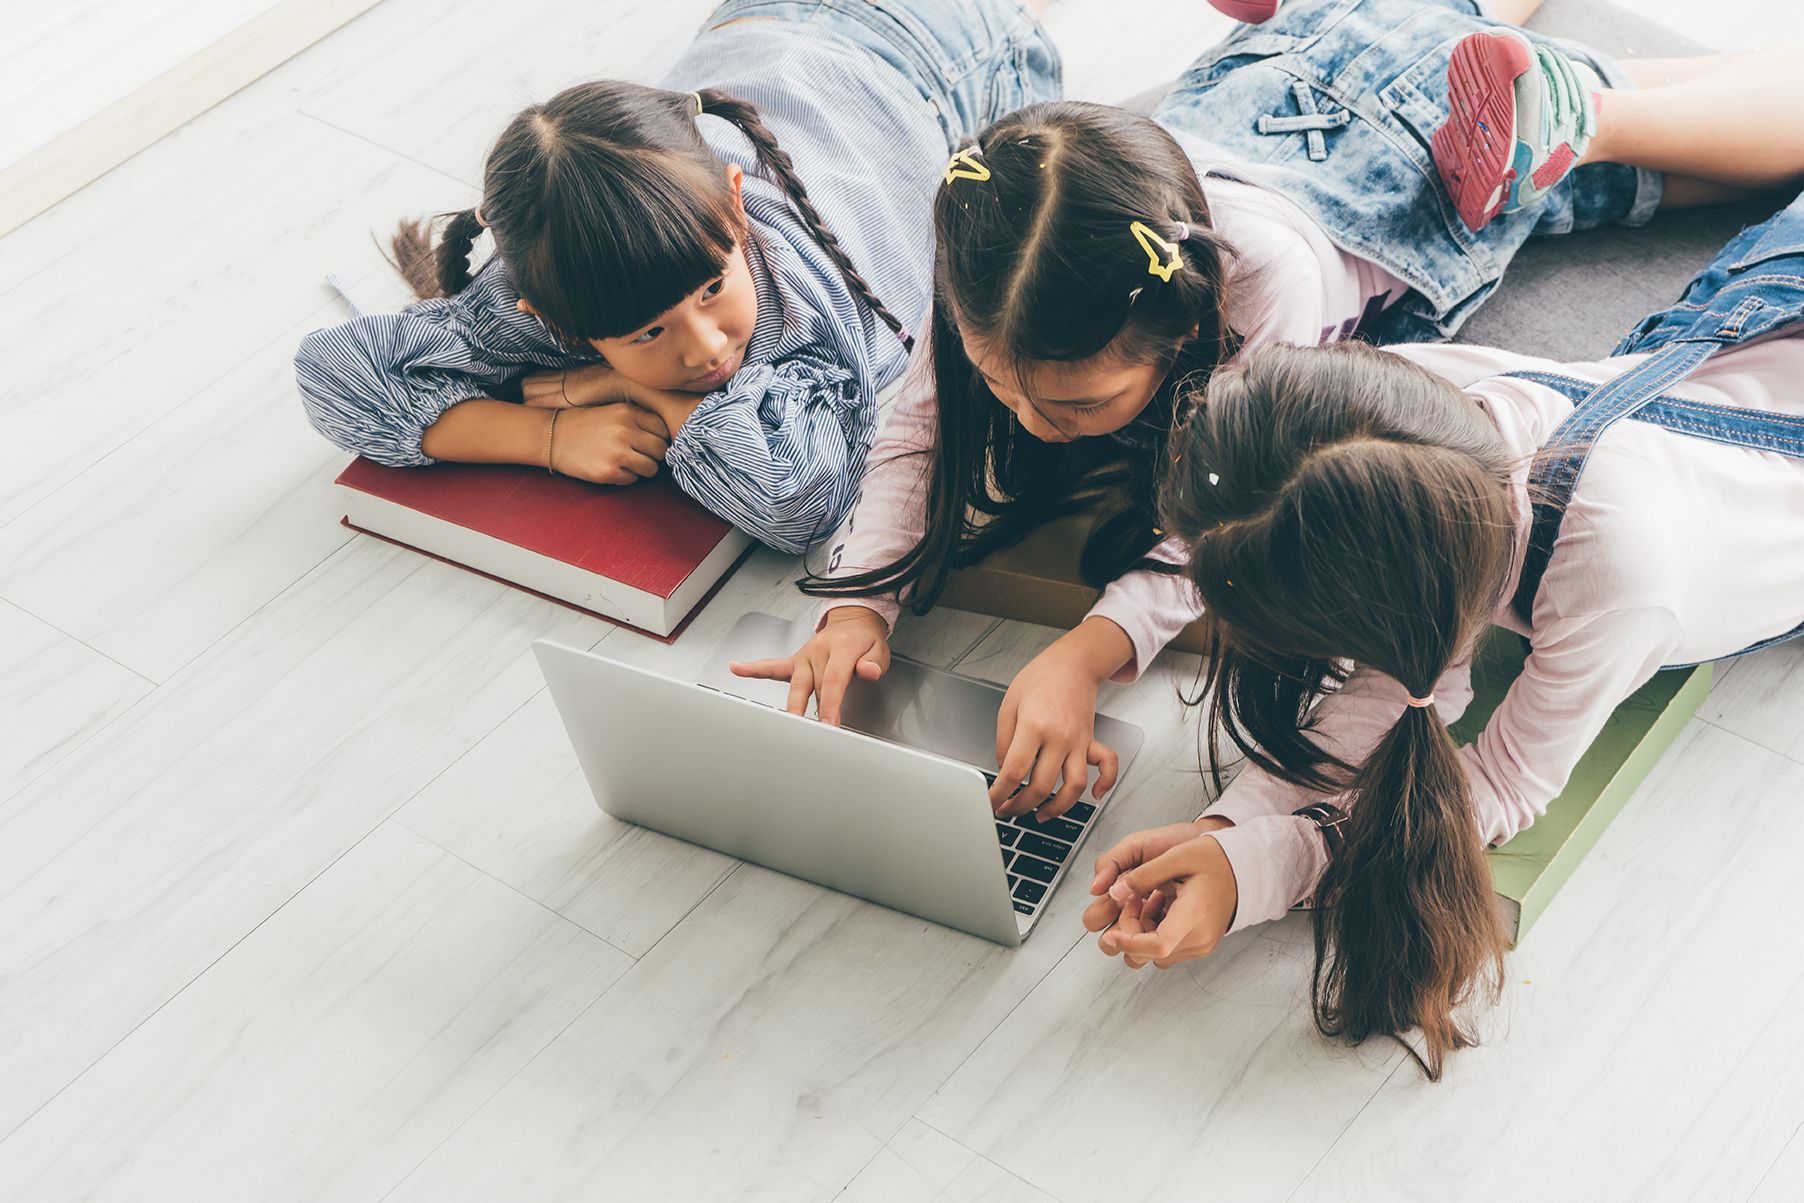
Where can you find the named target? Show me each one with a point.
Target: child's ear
(735, 178)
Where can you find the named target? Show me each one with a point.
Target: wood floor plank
(330, 1051)
(920, 1165)
(470, 69)
(97, 351)
(154, 553)
(1647, 1048)
(1763, 699)
(769, 1046)
(54, 693)
(125, 871)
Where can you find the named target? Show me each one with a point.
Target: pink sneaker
(1253, 12)
(1522, 116)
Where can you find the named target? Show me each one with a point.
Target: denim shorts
(973, 60)
(1364, 86)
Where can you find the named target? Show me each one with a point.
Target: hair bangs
(593, 276)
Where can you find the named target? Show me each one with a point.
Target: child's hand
(608, 444)
(1131, 853)
(1173, 907)
(591, 384)
(1047, 726)
(854, 641)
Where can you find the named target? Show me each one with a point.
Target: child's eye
(649, 335)
(713, 290)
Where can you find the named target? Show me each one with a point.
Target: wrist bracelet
(551, 442)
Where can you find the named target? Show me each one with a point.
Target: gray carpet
(1573, 297)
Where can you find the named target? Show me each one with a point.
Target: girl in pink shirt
(1090, 261)
(1345, 506)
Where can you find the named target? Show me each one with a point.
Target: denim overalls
(1332, 103)
(1753, 287)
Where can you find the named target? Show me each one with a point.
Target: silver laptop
(892, 807)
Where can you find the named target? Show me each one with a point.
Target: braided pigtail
(435, 271)
(744, 114)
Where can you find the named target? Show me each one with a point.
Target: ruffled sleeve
(778, 450)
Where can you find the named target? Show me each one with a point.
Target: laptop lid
(902, 828)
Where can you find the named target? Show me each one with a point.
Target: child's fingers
(1182, 919)
(647, 420)
(1116, 861)
(801, 687)
(1175, 863)
(764, 670)
(1040, 783)
(639, 464)
(831, 690)
(647, 443)
(1072, 788)
(1100, 913)
(1127, 923)
(1108, 764)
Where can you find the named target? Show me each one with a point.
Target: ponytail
(1406, 926)
(439, 271)
(1342, 505)
(775, 160)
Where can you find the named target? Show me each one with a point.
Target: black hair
(1042, 246)
(609, 207)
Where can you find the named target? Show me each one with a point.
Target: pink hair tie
(1422, 703)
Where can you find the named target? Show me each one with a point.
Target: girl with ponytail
(1091, 263)
(716, 275)
(1356, 519)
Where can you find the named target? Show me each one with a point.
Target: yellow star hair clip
(965, 166)
(1152, 244)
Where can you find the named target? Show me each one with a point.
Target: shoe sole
(1475, 147)
(1250, 12)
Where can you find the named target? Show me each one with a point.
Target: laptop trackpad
(914, 705)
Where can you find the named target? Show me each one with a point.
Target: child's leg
(1524, 114)
(1728, 120)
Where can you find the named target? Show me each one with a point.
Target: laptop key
(1039, 870)
(1030, 891)
(1007, 856)
(1059, 829)
(1023, 907)
(1040, 846)
(1007, 834)
(1080, 812)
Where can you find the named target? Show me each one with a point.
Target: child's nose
(706, 346)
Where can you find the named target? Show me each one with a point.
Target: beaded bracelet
(551, 442)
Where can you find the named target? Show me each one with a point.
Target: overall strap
(1565, 454)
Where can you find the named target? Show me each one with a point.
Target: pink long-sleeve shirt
(1674, 550)
(1286, 283)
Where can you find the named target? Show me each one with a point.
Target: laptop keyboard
(1033, 850)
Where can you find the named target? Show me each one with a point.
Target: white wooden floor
(302, 896)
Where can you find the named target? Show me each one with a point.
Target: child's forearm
(485, 431)
(1101, 646)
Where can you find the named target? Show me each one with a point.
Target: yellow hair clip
(964, 166)
(1152, 244)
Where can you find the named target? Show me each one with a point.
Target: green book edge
(1530, 869)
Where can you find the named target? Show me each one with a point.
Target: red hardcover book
(646, 555)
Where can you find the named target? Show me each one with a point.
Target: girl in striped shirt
(667, 290)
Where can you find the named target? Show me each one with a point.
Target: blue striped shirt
(778, 449)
